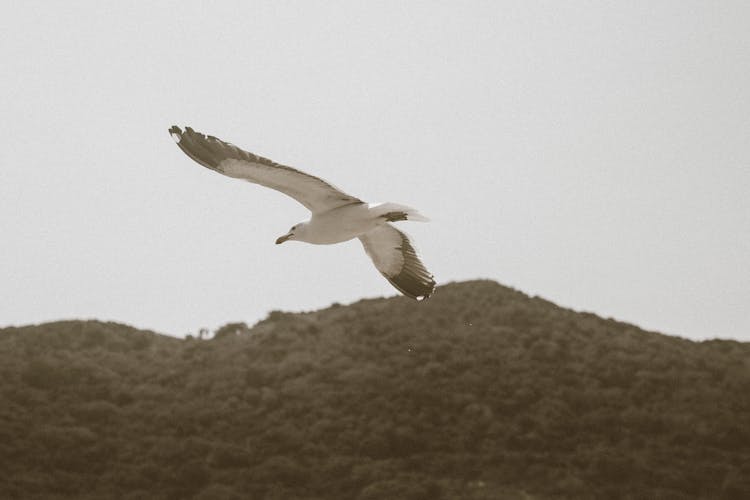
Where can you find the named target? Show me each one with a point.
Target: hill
(479, 393)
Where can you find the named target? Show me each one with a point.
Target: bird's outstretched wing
(314, 193)
(394, 256)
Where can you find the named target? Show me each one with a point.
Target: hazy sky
(594, 153)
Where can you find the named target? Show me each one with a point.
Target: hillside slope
(479, 393)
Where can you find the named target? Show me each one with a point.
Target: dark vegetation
(479, 393)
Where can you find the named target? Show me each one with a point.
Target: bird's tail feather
(394, 212)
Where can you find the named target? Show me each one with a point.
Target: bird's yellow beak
(282, 239)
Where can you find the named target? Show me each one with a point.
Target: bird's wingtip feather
(176, 133)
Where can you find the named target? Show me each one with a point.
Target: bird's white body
(340, 224)
(348, 222)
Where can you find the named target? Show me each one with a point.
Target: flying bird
(335, 215)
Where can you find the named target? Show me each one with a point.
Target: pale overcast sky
(594, 153)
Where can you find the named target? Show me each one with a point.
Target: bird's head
(296, 232)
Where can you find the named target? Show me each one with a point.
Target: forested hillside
(480, 392)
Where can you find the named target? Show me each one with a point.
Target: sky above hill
(593, 153)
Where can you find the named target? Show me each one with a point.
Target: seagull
(335, 215)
